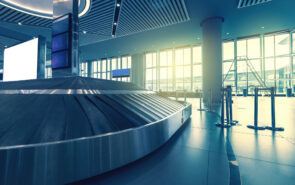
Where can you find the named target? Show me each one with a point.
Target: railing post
(273, 112)
(221, 124)
(255, 107)
(256, 127)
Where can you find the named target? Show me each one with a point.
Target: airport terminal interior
(141, 92)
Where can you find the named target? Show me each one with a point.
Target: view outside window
(151, 71)
(272, 63)
(102, 69)
(174, 69)
(228, 70)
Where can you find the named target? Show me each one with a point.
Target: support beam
(138, 69)
(212, 59)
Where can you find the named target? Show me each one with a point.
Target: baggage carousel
(61, 130)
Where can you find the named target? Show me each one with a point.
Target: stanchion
(230, 99)
(273, 114)
(255, 126)
(222, 122)
(200, 107)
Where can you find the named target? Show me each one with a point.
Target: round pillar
(212, 59)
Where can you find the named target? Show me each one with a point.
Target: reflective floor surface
(197, 154)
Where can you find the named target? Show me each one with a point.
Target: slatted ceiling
(100, 17)
(13, 16)
(247, 3)
(139, 16)
(135, 16)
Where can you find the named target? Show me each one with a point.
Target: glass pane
(94, 67)
(241, 48)
(269, 46)
(163, 74)
(197, 71)
(293, 36)
(270, 72)
(103, 75)
(163, 58)
(154, 59)
(170, 59)
(103, 65)
(228, 51)
(124, 63)
(187, 86)
(227, 66)
(254, 48)
(170, 74)
(149, 60)
(283, 74)
(187, 56)
(109, 64)
(114, 63)
(149, 76)
(154, 75)
(197, 54)
(99, 66)
(179, 86)
(129, 62)
(179, 73)
(282, 44)
(187, 73)
(179, 57)
(119, 63)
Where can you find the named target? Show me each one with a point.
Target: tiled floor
(197, 153)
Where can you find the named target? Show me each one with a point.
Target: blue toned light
(121, 73)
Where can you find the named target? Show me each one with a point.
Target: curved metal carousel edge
(74, 160)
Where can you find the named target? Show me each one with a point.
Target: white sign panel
(21, 61)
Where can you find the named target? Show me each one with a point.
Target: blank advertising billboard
(21, 61)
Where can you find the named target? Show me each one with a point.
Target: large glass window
(277, 62)
(183, 69)
(249, 71)
(176, 69)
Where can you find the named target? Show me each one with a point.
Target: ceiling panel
(247, 3)
(97, 25)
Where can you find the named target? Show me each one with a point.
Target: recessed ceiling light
(262, 27)
(19, 23)
(118, 5)
(113, 36)
(84, 32)
(227, 33)
(115, 23)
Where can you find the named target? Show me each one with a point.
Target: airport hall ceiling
(102, 20)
